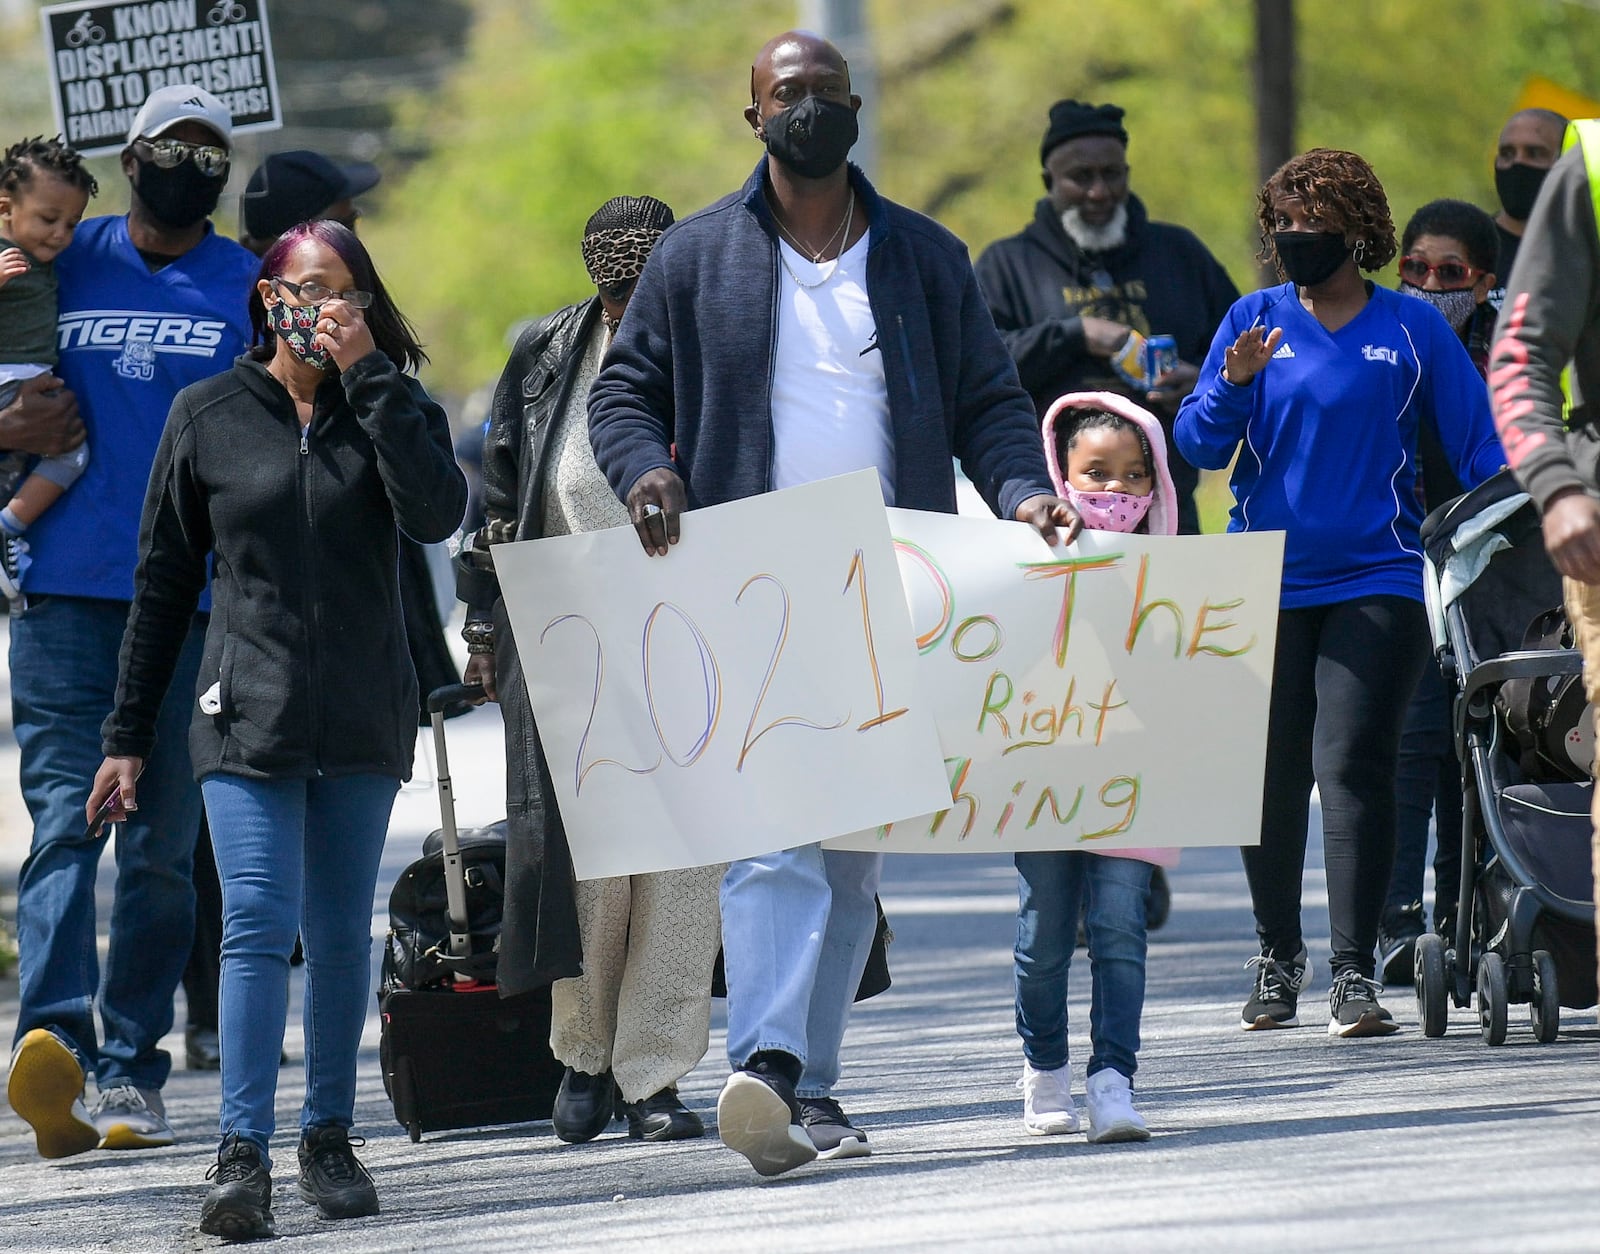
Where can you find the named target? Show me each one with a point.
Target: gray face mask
(1457, 307)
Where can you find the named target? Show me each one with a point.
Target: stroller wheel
(1492, 998)
(1428, 966)
(1545, 1008)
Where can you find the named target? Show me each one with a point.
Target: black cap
(292, 187)
(1070, 119)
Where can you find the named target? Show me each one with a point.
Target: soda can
(1160, 356)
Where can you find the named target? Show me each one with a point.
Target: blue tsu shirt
(1327, 437)
(129, 341)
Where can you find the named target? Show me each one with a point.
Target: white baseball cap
(165, 107)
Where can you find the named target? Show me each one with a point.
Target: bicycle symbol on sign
(225, 11)
(84, 31)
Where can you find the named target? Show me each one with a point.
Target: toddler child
(1109, 458)
(44, 190)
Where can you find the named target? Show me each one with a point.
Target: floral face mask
(296, 326)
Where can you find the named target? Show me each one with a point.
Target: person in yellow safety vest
(1544, 372)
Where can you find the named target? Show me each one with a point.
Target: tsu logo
(1376, 352)
(137, 361)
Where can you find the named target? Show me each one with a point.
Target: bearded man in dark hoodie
(1090, 268)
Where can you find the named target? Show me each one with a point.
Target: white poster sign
(105, 58)
(1113, 694)
(753, 690)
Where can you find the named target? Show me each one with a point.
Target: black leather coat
(539, 940)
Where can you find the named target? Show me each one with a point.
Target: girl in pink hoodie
(1109, 458)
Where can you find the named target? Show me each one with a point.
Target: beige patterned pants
(642, 1006)
(1583, 612)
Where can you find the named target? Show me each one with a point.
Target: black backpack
(417, 953)
(1549, 717)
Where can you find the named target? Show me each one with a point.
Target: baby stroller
(1524, 931)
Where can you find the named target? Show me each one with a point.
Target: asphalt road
(1283, 1141)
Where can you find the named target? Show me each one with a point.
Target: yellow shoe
(45, 1088)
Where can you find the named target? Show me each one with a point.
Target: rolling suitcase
(454, 1053)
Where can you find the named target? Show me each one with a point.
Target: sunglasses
(316, 294)
(168, 153)
(1452, 274)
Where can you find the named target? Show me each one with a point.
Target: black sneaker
(239, 1205)
(331, 1177)
(830, 1131)
(758, 1116)
(1275, 1002)
(1397, 941)
(661, 1117)
(585, 1105)
(1354, 1008)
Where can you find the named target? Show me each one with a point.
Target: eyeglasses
(167, 153)
(315, 293)
(1452, 274)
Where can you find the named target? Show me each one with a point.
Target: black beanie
(1071, 118)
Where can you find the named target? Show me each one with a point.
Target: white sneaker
(131, 1118)
(45, 1088)
(1111, 1113)
(1047, 1107)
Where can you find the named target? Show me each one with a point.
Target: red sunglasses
(1453, 274)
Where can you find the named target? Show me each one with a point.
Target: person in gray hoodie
(1544, 372)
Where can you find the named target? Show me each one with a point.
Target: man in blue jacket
(800, 328)
(150, 303)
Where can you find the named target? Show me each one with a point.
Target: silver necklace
(844, 230)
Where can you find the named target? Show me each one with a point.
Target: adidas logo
(1283, 351)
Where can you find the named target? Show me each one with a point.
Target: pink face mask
(1109, 511)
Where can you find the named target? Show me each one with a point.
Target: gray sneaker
(131, 1118)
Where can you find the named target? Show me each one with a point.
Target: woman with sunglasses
(1447, 258)
(291, 474)
(1321, 385)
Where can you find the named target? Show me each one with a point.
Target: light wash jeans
(63, 684)
(797, 928)
(295, 856)
(1052, 887)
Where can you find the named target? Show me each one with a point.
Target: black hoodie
(306, 647)
(1038, 284)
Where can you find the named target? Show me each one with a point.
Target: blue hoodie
(1327, 437)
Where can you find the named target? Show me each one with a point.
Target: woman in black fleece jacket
(291, 473)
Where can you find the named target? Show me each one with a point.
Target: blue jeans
(295, 856)
(1052, 887)
(797, 928)
(63, 684)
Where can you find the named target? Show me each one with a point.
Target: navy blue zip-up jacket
(690, 370)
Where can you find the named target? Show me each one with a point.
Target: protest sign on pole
(750, 691)
(105, 58)
(1109, 695)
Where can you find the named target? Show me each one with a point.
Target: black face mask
(812, 138)
(178, 197)
(1518, 187)
(1310, 257)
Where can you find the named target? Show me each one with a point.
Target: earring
(1360, 250)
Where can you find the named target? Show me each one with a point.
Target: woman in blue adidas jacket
(1320, 384)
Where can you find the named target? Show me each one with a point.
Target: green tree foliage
(564, 103)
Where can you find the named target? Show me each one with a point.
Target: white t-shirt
(830, 408)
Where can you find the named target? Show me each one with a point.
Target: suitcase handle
(441, 698)
(455, 884)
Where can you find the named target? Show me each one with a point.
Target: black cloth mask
(1310, 257)
(178, 197)
(812, 138)
(1518, 187)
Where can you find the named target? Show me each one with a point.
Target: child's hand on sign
(13, 261)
